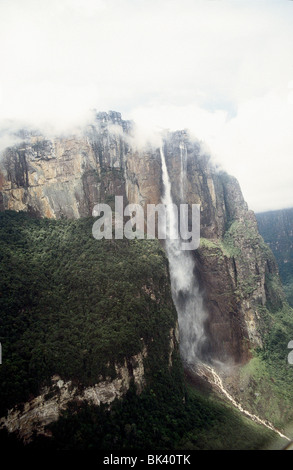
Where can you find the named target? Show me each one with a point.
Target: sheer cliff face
(235, 268)
(66, 177)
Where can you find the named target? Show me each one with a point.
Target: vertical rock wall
(67, 176)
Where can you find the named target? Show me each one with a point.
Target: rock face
(66, 177)
(234, 266)
(33, 416)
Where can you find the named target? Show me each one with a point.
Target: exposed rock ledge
(36, 414)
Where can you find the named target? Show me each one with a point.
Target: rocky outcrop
(32, 417)
(174, 340)
(235, 273)
(66, 177)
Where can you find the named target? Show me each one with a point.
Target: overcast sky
(222, 68)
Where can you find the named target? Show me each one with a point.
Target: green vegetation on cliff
(73, 306)
(267, 380)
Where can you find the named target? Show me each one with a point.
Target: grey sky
(223, 68)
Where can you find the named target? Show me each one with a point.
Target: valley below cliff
(94, 341)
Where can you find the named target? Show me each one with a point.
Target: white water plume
(187, 297)
(183, 161)
(185, 290)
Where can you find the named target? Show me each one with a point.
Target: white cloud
(222, 68)
(257, 146)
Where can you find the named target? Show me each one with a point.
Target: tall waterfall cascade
(185, 289)
(183, 168)
(187, 297)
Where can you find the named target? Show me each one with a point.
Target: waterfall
(187, 297)
(184, 286)
(183, 160)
